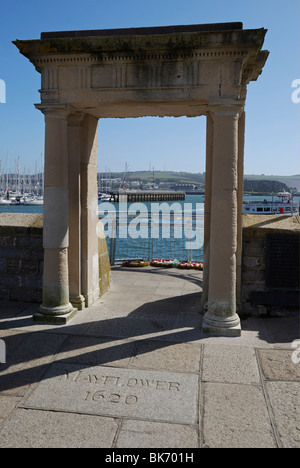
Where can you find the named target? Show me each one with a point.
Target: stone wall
(22, 256)
(21, 260)
(259, 296)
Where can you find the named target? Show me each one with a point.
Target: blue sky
(273, 120)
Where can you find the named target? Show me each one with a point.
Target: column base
(56, 315)
(78, 302)
(221, 331)
(55, 319)
(221, 319)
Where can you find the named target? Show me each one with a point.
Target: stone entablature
(160, 66)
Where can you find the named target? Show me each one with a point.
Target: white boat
(34, 201)
(283, 204)
(105, 197)
(17, 201)
(4, 201)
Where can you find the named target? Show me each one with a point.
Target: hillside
(264, 186)
(168, 177)
(253, 183)
(292, 181)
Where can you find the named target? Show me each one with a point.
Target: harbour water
(148, 239)
(194, 199)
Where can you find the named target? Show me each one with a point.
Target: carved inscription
(118, 392)
(110, 383)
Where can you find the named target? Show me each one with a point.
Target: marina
(18, 200)
(18, 187)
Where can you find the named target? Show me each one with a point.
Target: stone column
(221, 317)
(56, 306)
(74, 160)
(207, 208)
(89, 211)
(240, 199)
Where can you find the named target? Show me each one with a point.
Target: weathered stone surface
(7, 405)
(265, 222)
(160, 355)
(278, 365)
(285, 398)
(232, 364)
(145, 434)
(42, 429)
(256, 266)
(20, 220)
(27, 359)
(21, 253)
(236, 416)
(160, 396)
(95, 351)
(62, 319)
(104, 266)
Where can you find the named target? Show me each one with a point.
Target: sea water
(148, 239)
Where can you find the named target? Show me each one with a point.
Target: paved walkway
(134, 371)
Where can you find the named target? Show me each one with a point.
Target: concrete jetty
(133, 196)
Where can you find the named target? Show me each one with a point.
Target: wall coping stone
(21, 223)
(262, 224)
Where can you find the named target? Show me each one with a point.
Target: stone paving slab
(232, 364)
(277, 364)
(27, 358)
(44, 429)
(235, 416)
(7, 405)
(144, 434)
(103, 391)
(92, 351)
(162, 355)
(284, 398)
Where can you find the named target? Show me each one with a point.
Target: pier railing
(156, 236)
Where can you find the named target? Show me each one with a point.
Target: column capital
(226, 107)
(58, 111)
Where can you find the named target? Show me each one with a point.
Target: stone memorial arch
(165, 71)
